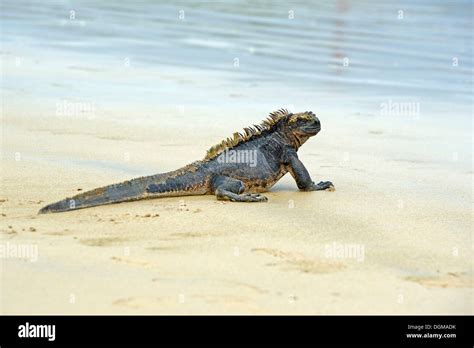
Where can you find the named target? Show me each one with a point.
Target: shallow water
(358, 56)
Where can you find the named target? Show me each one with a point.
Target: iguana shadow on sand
(237, 169)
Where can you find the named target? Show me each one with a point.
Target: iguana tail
(182, 182)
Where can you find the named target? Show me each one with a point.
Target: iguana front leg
(301, 175)
(230, 189)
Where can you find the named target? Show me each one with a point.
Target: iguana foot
(322, 186)
(224, 195)
(230, 189)
(250, 197)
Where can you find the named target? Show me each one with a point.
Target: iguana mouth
(312, 129)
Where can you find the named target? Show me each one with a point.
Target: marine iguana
(228, 170)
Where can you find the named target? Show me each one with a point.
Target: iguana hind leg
(230, 189)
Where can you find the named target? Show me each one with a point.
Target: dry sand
(410, 213)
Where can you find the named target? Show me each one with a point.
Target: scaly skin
(267, 152)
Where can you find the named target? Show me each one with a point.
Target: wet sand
(406, 213)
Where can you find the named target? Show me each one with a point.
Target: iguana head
(302, 126)
(304, 123)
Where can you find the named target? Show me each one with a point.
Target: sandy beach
(113, 91)
(198, 255)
